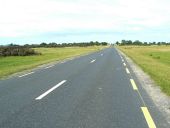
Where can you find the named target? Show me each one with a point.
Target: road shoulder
(160, 100)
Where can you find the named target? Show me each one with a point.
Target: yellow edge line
(133, 84)
(127, 70)
(148, 117)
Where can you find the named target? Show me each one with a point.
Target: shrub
(17, 51)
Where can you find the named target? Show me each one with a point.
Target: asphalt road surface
(98, 90)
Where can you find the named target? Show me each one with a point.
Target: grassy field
(10, 65)
(154, 60)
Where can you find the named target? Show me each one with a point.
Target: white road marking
(70, 58)
(127, 70)
(50, 90)
(101, 54)
(49, 66)
(26, 74)
(124, 64)
(62, 62)
(92, 61)
(122, 60)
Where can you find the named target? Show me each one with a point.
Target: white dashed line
(50, 90)
(92, 61)
(26, 74)
(62, 62)
(49, 66)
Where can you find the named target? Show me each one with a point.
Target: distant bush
(137, 42)
(58, 45)
(17, 51)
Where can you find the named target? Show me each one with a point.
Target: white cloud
(19, 18)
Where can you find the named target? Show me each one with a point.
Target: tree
(145, 43)
(123, 42)
(137, 42)
(117, 42)
(154, 43)
(43, 44)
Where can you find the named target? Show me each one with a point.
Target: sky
(36, 21)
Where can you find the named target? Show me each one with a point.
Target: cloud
(29, 19)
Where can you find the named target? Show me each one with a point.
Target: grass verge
(13, 64)
(154, 60)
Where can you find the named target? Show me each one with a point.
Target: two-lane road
(93, 91)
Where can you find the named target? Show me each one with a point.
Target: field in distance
(154, 60)
(13, 64)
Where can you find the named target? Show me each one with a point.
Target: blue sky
(36, 21)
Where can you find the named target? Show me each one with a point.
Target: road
(98, 90)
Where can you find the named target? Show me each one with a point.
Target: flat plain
(154, 60)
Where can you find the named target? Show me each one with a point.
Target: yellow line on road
(127, 70)
(133, 84)
(148, 117)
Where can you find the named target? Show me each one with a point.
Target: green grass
(154, 60)
(10, 65)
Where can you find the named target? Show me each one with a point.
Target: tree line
(137, 42)
(53, 44)
(26, 50)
